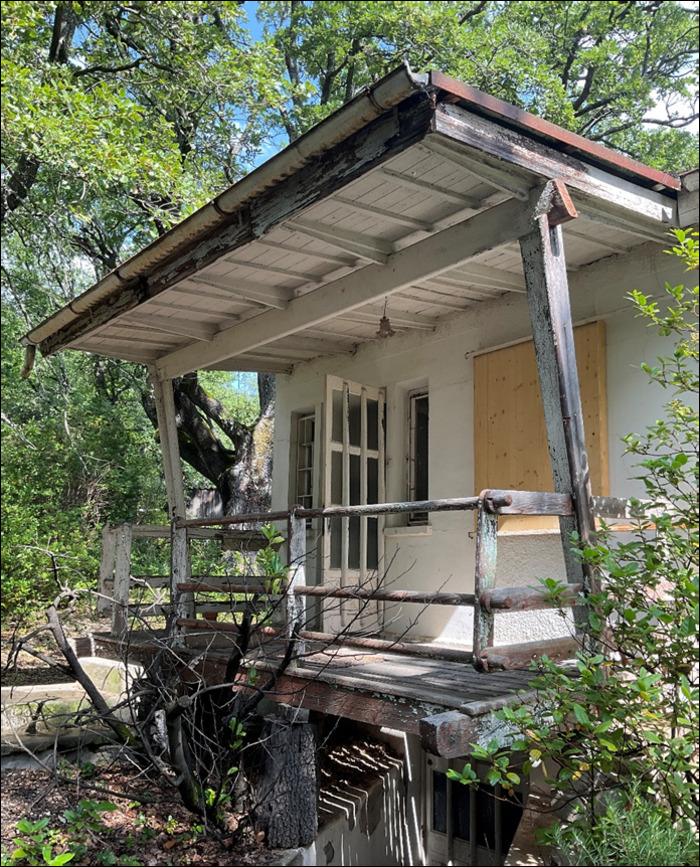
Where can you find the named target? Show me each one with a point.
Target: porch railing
(487, 599)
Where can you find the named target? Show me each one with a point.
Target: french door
(353, 475)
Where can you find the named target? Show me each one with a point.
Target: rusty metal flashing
(556, 136)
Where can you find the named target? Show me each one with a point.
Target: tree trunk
(242, 474)
(247, 487)
(287, 809)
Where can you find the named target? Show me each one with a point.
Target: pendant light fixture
(385, 329)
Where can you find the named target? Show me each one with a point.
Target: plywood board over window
(510, 440)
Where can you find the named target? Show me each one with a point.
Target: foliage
(77, 455)
(627, 717)
(634, 831)
(596, 68)
(37, 841)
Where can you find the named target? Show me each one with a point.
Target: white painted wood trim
(167, 426)
(485, 136)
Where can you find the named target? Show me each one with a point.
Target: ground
(159, 832)
(147, 825)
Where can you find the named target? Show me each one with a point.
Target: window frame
(417, 519)
(306, 462)
(458, 850)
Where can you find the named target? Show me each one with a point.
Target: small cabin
(439, 282)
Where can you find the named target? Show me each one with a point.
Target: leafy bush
(634, 831)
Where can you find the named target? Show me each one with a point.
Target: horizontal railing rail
(486, 599)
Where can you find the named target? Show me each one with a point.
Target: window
(305, 433)
(466, 825)
(418, 417)
(510, 439)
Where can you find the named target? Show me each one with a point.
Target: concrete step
(40, 716)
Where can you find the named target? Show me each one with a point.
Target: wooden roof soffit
(499, 225)
(504, 146)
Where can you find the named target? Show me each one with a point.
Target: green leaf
(581, 714)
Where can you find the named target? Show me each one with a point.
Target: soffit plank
(369, 249)
(269, 296)
(171, 325)
(392, 216)
(499, 176)
(472, 202)
(340, 261)
(484, 275)
(421, 261)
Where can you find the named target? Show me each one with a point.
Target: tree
(595, 68)
(625, 720)
(119, 119)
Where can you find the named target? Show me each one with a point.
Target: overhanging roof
(417, 192)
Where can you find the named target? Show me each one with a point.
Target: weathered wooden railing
(487, 599)
(117, 581)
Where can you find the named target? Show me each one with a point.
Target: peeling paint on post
(122, 579)
(544, 266)
(182, 603)
(484, 577)
(296, 605)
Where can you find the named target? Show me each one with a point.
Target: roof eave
(369, 104)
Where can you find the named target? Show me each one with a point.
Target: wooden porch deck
(446, 703)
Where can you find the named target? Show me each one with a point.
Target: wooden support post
(105, 583)
(296, 605)
(182, 603)
(122, 578)
(167, 432)
(544, 265)
(484, 578)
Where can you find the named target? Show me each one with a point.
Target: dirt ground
(147, 825)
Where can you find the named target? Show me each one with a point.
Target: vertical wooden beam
(544, 265)
(296, 605)
(182, 605)
(122, 579)
(105, 583)
(484, 578)
(167, 430)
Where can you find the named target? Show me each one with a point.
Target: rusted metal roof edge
(369, 104)
(563, 139)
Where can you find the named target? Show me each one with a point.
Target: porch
(442, 692)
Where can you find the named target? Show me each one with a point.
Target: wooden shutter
(510, 441)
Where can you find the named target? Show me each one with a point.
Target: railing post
(484, 577)
(109, 543)
(181, 604)
(296, 605)
(122, 578)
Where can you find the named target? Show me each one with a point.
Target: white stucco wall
(442, 555)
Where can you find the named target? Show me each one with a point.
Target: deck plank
(365, 686)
